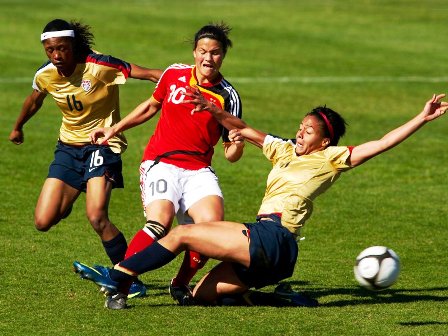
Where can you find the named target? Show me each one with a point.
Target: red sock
(140, 241)
(191, 264)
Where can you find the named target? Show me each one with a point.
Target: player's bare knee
(205, 294)
(43, 224)
(210, 216)
(181, 234)
(99, 223)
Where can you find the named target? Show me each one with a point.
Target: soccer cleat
(116, 301)
(285, 292)
(182, 294)
(98, 275)
(137, 289)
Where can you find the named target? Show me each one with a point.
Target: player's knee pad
(157, 229)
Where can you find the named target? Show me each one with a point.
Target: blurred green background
(376, 62)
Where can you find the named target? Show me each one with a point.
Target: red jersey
(183, 139)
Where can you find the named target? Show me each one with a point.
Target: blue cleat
(137, 289)
(100, 275)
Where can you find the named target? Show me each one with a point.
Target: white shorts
(182, 187)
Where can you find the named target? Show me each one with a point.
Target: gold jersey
(88, 99)
(295, 181)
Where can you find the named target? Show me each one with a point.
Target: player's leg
(220, 281)
(160, 213)
(207, 209)
(274, 254)
(205, 238)
(204, 203)
(159, 217)
(55, 203)
(61, 188)
(98, 195)
(160, 194)
(103, 172)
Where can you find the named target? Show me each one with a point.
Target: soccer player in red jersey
(176, 173)
(84, 85)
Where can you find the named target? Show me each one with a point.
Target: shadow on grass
(357, 296)
(360, 296)
(422, 323)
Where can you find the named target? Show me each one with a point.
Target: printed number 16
(77, 104)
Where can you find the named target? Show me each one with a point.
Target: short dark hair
(337, 123)
(83, 40)
(216, 31)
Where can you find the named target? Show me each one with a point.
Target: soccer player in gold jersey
(264, 253)
(84, 85)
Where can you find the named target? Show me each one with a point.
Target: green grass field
(375, 61)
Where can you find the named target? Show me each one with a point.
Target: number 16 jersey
(88, 98)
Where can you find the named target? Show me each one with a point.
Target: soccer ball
(377, 267)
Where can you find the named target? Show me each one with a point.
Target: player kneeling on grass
(263, 253)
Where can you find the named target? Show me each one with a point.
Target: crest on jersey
(86, 84)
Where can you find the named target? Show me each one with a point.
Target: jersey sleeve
(275, 148)
(233, 106)
(110, 70)
(37, 85)
(160, 90)
(39, 82)
(338, 156)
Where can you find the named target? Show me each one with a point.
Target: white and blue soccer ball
(377, 267)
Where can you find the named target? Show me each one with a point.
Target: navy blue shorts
(273, 254)
(75, 165)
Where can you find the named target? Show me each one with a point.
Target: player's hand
(236, 138)
(197, 99)
(16, 137)
(434, 108)
(101, 135)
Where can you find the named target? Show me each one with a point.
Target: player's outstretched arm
(30, 106)
(225, 118)
(433, 109)
(139, 115)
(139, 72)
